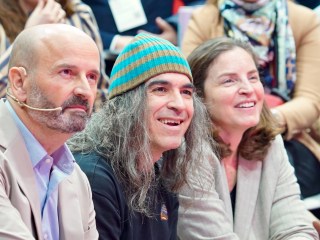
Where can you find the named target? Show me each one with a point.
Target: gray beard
(65, 122)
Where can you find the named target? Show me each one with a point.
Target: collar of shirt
(63, 158)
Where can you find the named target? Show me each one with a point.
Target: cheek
(259, 91)
(94, 92)
(152, 112)
(190, 109)
(211, 107)
(217, 100)
(152, 107)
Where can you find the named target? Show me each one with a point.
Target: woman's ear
(17, 78)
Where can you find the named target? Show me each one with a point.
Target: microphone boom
(33, 108)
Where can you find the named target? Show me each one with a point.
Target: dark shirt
(114, 218)
(233, 195)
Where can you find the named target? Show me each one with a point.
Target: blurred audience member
(120, 20)
(16, 15)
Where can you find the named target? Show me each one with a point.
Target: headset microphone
(33, 108)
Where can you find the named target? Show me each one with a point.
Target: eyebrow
(233, 73)
(166, 83)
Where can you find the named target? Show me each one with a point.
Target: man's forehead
(170, 79)
(64, 46)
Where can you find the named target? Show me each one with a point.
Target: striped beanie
(145, 57)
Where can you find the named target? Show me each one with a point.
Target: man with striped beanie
(132, 149)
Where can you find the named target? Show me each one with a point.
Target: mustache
(75, 100)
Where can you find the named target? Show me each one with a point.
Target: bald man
(53, 75)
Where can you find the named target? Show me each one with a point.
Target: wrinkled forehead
(57, 46)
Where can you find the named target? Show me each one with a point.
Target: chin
(173, 145)
(251, 124)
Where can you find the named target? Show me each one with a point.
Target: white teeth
(170, 122)
(246, 105)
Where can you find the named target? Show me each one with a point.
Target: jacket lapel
(18, 156)
(224, 193)
(248, 182)
(69, 211)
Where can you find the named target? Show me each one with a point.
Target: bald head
(54, 66)
(34, 40)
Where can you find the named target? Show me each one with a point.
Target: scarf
(265, 25)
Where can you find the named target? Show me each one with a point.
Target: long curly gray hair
(119, 133)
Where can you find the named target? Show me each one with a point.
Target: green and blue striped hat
(145, 57)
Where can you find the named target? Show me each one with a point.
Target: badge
(164, 213)
(127, 14)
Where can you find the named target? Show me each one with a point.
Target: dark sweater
(113, 217)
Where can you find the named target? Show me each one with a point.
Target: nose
(176, 102)
(245, 87)
(83, 88)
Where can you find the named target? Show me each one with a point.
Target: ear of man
(18, 82)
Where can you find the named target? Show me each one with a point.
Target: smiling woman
(254, 166)
(234, 90)
(288, 51)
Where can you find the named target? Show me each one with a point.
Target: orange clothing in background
(176, 5)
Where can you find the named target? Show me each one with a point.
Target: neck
(156, 153)
(156, 157)
(231, 169)
(50, 139)
(143, 167)
(232, 137)
(231, 162)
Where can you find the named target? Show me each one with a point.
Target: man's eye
(66, 72)
(92, 77)
(160, 89)
(254, 78)
(229, 80)
(187, 92)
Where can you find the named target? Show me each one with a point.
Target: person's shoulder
(97, 169)
(297, 10)
(276, 144)
(278, 140)
(79, 6)
(92, 162)
(297, 7)
(208, 13)
(276, 153)
(208, 9)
